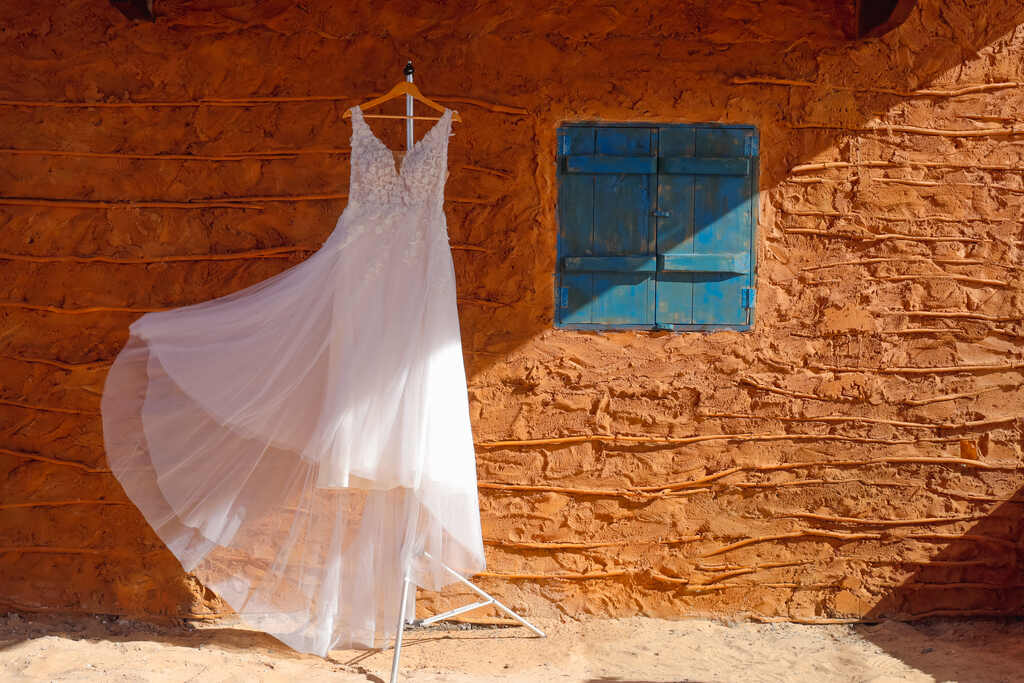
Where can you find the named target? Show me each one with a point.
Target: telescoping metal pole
(401, 629)
(408, 108)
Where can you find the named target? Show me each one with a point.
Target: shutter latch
(661, 214)
(748, 297)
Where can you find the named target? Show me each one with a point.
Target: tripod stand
(488, 600)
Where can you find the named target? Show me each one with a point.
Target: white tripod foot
(488, 599)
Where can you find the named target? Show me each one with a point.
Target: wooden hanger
(403, 88)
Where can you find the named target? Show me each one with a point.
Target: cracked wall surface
(856, 455)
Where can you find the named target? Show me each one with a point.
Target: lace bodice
(420, 177)
(395, 214)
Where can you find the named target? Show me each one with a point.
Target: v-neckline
(399, 167)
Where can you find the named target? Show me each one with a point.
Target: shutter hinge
(660, 213)
(748, 297)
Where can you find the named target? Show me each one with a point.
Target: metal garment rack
(488, 599)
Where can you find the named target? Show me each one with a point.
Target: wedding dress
(299, 443)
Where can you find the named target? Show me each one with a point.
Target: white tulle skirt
(299, 443)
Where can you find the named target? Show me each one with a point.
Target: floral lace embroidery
(420, 177)
(377, 185)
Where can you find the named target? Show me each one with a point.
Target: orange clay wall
(853, 456)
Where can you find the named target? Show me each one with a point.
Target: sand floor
(634, 650)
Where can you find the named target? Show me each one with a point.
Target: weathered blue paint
(738, 263)
(607, 163)
(656, 226)
(622, 227)
(675, 231)
(722, 222)
(611, 264)
(576, 229)
(701, 166)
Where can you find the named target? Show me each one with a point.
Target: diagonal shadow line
(966, 579)
(940, 51)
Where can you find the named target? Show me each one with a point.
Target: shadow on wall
(492, 335)
(978, 574)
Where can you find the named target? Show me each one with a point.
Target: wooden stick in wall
(923, 92)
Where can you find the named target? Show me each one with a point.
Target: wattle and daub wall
(856, 455)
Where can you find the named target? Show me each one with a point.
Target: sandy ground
(635, 650)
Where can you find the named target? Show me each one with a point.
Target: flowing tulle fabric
(304, 443)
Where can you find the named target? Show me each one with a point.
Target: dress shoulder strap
(443, 128)
(357, 118)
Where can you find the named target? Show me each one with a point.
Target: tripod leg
(400, 629)
(490, 599)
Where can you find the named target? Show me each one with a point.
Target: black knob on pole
(408, 68)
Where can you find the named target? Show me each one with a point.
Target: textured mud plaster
(857, 454)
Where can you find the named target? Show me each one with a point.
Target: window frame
(749, 291)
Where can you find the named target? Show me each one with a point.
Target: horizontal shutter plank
(706, 263)
(671, 263)
(612, 264)
(686, 165)
(607, 163)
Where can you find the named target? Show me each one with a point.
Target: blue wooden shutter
(706, 188)
(606, 240)
(656, 226)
